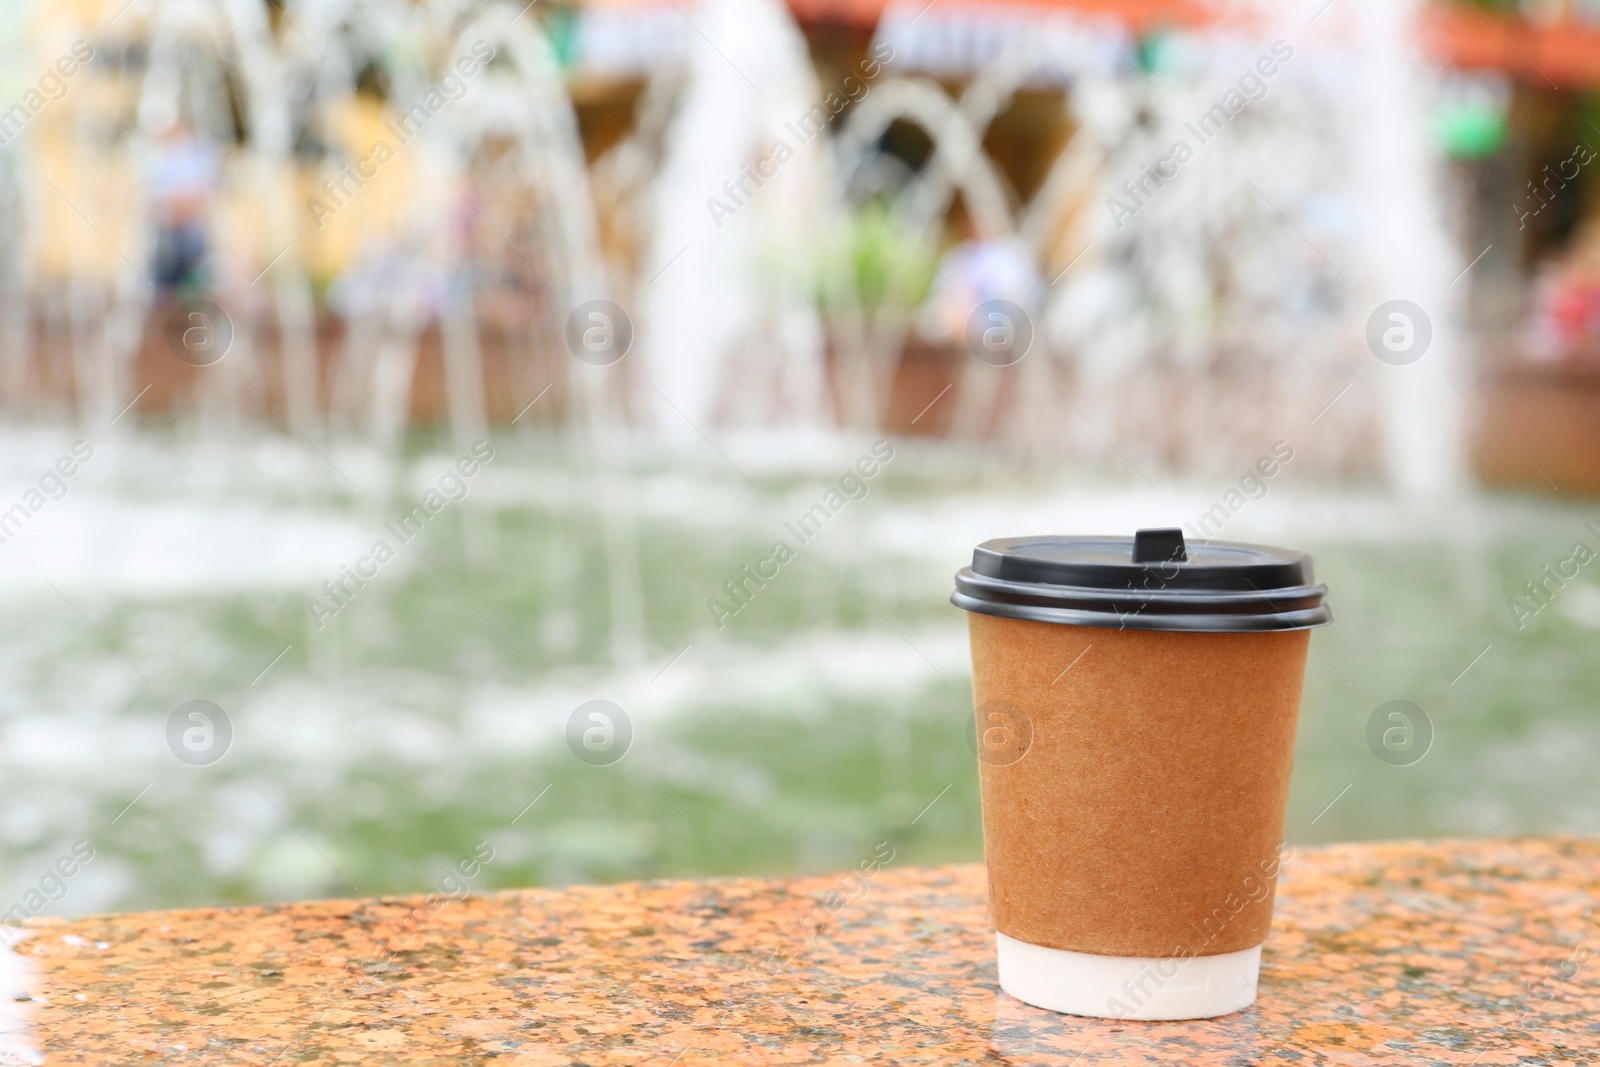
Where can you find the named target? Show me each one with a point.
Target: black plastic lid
(1151, 581)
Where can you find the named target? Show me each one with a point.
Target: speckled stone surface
(1444, 953)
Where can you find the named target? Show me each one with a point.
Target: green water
(829, 715)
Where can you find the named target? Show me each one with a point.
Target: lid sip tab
(1153, 580)
(1163, 545)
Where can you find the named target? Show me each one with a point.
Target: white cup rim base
(1128, 987)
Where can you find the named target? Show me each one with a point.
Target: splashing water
(728, 332)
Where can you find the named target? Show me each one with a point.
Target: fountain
(1412, 255)
(1182, 317)
(728, 332)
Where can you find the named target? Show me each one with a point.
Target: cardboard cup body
(1134, 785)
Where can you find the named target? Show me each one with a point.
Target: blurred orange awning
(1557, 55)
(1138, 14)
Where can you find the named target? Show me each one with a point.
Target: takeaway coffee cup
(1136, 701)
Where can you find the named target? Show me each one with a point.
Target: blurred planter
(921, 401)
(1552, 413)
(249, 379)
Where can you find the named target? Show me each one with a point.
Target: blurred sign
(1471, 116)
(622, 41)
(956, 41)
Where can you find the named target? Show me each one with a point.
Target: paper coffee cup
(1136, 701)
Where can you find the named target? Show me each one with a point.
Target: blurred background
(385, 381)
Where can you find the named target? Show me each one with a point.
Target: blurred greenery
(885, 269)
